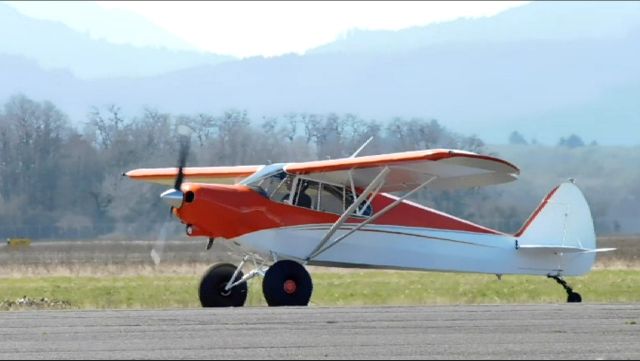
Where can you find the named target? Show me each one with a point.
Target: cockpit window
(307, 194)
(274, 183)
(332, 199)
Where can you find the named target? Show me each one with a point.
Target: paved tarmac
(566, 331)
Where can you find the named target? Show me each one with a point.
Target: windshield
(268, 180)
(264, 172)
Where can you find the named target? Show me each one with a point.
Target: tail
(559, 235)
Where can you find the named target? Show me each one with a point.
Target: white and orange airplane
(340, 213)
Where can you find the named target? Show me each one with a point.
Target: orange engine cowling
(230, 211)
(227, 211)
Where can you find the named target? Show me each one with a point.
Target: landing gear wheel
(287, 283)
(574, 297)
(212, 292)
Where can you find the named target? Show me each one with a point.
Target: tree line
(572, 141)
(57, 178)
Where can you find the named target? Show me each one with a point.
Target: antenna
(361, 148)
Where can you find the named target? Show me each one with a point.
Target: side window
(318, 196)
(364, 210)
(306, 194)
(331, 199)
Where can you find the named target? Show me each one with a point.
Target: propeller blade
(182, 160)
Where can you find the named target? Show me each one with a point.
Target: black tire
(212, 293)
(287, 283)
(574, 297)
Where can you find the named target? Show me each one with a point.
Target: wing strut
(379, 179)
(361, 148)
(319, 250)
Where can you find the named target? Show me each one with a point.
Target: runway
(574, 331)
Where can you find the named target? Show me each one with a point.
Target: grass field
(331, 288)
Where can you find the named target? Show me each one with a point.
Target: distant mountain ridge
(55, 46)
(113, 25)
(539, 20)
(543, 87)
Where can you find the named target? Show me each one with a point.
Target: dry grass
(626, 255)
(109, 258)
(108, 270)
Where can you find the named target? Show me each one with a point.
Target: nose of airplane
(213, 210)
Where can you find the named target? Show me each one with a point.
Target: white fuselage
(415, 248)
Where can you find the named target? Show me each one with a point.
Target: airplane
(341, 213)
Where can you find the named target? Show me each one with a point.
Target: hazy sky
(244, 28)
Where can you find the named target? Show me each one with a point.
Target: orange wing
(218, 175)
(451, 169)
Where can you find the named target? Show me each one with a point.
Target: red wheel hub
(290, 287)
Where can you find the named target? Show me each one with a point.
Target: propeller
(173, 197)
(185, 144)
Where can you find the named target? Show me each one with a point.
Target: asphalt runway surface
(565, 331)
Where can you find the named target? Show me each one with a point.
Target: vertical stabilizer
(562, 227)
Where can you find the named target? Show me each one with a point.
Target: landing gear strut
(572, 297)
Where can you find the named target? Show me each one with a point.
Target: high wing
(218, 175)
(449, 169)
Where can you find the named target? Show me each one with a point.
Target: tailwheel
(287, 283)
(572, 297)
(213, 292)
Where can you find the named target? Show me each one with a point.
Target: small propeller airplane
(340, 213)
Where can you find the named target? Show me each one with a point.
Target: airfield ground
(120, 274)
(534, 332)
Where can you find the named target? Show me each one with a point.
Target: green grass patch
(351, 288)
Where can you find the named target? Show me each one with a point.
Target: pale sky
(246, 28)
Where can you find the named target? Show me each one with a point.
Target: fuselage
(409, 236)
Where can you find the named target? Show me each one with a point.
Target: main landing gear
(572, 297)
(285, 283)
(214, 291)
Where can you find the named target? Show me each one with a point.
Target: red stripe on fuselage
(234, 210)
(411, 214)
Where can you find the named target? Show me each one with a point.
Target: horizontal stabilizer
(562, 249)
